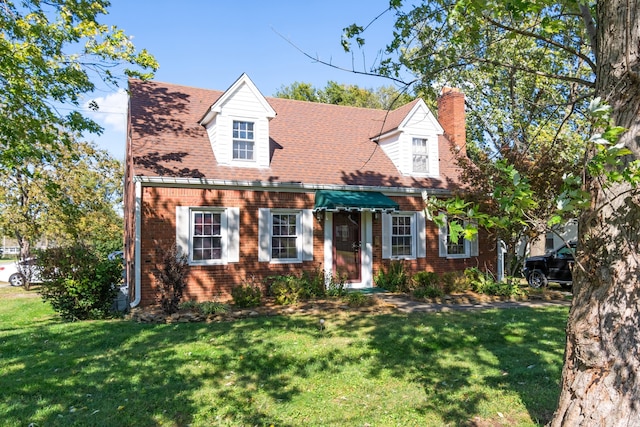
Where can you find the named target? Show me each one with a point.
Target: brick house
(248, 187)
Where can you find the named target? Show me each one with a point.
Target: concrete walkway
(407, 305)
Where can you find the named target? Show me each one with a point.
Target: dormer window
(243, 140)
(420, 155)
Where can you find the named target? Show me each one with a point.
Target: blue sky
(209, 44)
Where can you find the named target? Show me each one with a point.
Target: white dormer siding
(398, 145)
(242, 102)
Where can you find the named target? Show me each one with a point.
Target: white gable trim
(216, 108)
(420, 105)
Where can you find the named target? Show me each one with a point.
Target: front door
(346, 245)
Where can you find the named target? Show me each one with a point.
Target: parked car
(554, 267)
(14, 273)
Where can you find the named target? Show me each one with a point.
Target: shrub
(313, 284)
(395, 279)
(286, 289)
(427, 292)
(247, 294)
(358, 299)
(424, 279)
(212, 307)
(171, 279)
(454, 281)
(336, 286)
(77, 282)
(484, 283)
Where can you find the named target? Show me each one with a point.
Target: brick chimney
(451, 116)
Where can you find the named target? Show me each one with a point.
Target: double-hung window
(420, 155)
(462, 248)
(402, 236)
(285, 236)
(243, 140)
(208, 235)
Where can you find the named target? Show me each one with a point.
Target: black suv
(553, 267)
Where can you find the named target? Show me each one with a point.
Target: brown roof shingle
(311, 143)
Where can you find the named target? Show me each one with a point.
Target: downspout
(136, 249)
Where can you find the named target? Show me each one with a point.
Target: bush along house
(250, 187)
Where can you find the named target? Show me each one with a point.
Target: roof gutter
(158, 181)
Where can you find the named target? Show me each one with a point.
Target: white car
(14, 273)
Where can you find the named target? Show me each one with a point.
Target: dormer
(413, 144)
(238, 126)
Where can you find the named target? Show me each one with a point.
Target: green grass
(491, 367)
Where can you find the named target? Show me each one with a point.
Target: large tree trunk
(601, 375)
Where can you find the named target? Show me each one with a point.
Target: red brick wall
(207, 283)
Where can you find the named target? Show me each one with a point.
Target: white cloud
(112, 111)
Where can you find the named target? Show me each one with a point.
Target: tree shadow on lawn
(124, 373)
(467, 360)
(238, 373)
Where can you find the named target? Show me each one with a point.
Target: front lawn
(482, 368)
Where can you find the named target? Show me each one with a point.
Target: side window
(463, 248)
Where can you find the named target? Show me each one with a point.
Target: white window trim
(304, 231)
(230, 233)
(470, 246)
(418, 235)
(254, 140)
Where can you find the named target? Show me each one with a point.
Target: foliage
(336, 287)
(484, 283)
(171, 276)
(386, 97)
(426, 284)
(359, 299)
(52, 54)
(205, 308)
(427, 291)
(454, 281)
(394, 279)
(286, 289)
(78, 283)
(290, 288)
(247, 294)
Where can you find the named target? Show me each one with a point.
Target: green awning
(334, 200)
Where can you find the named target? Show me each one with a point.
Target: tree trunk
(601, 375)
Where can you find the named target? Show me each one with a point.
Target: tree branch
(543, 39)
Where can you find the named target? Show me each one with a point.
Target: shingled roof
(311, 143)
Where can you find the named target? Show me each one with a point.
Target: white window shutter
(442, 240)
(307, 235)
(264, 234)
(386, 235)
(182, 230)
(421, 234)
(233, 233)
(473, 245)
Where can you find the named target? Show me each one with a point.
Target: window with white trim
(206, 240)
(402, 236)
(243, 140)
(285, 236)
(208, 235)
(420, 155)
(462, 248)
